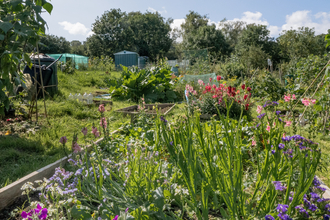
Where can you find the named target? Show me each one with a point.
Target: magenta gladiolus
(63, 140)
(84, 131)
(95, 132)
(101, 108)
(103, 123)
(116, 217)
(76, 148)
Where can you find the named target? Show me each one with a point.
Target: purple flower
(43, 214)
(312, 207)
(115, 218)
(281, 146)
(284, 216)
(126, 210)
(78, 172)
(281, 208)
(326, 217)
(278, 112)
(314, 196)
(316, 182)
(269, 217)
(278, 186)
(25, 215)
(302, 211)
(261, 116)
(171, 143)
(273, 151)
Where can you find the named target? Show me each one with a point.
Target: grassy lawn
(21, 154)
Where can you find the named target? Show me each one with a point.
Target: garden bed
(149, 109)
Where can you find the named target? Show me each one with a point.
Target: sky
(73, 19)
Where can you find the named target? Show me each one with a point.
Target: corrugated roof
(125, 52)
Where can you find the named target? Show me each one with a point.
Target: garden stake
(42, 84)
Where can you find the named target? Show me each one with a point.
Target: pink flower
(287, 98)
(200, 82)
(293, 96)
(274, 124)
(287, 123)
(218, 78)
(254, 143)
(76, 148)
(195, 92)
(103, 123)
(268, 128)
(63, 140)
(95, 132)
(313, 101)
(210, 79)
(142, 99)
(101, 108)
(259, 109)
(84, 131)
(306, 102)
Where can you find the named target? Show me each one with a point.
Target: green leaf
(48, 7)
(5, 26)
(80, 212)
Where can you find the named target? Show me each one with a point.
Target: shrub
(153, 83)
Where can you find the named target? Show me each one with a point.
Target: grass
(24, 153)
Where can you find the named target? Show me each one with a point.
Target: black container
(49, 75)
(10, 112)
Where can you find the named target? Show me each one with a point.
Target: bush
(213, 100)
(266, 86)
(153, 83)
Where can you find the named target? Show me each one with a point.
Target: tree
(198, 34)
(76, 47)
(147, 34)
(232, 30)
(52, 44)
(257, 37)
(21, 25)
(295, 44)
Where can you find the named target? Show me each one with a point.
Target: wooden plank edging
(10, 192)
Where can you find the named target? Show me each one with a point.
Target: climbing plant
(21, 25)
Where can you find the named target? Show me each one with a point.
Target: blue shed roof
(125, 52)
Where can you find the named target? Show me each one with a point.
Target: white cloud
(320, 21)
(250, 18)
(75, 29)
(154, 10)
(177, 23)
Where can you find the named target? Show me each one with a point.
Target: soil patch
(20, 202)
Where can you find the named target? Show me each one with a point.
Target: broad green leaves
(20, 28)
(5, 26)
(327, 38)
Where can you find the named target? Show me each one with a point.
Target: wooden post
(42, 83)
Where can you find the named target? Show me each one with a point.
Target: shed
(126, 58)
(75, 59)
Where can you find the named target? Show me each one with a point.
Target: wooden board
(128, 110)
(9, 193)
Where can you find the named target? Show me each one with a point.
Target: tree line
(150, 34)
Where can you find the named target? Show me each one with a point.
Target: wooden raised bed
(150, 109)
(9, 193)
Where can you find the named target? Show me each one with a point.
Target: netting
(205, 78)
(193, 55)
(189, 59)
(75, 59)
